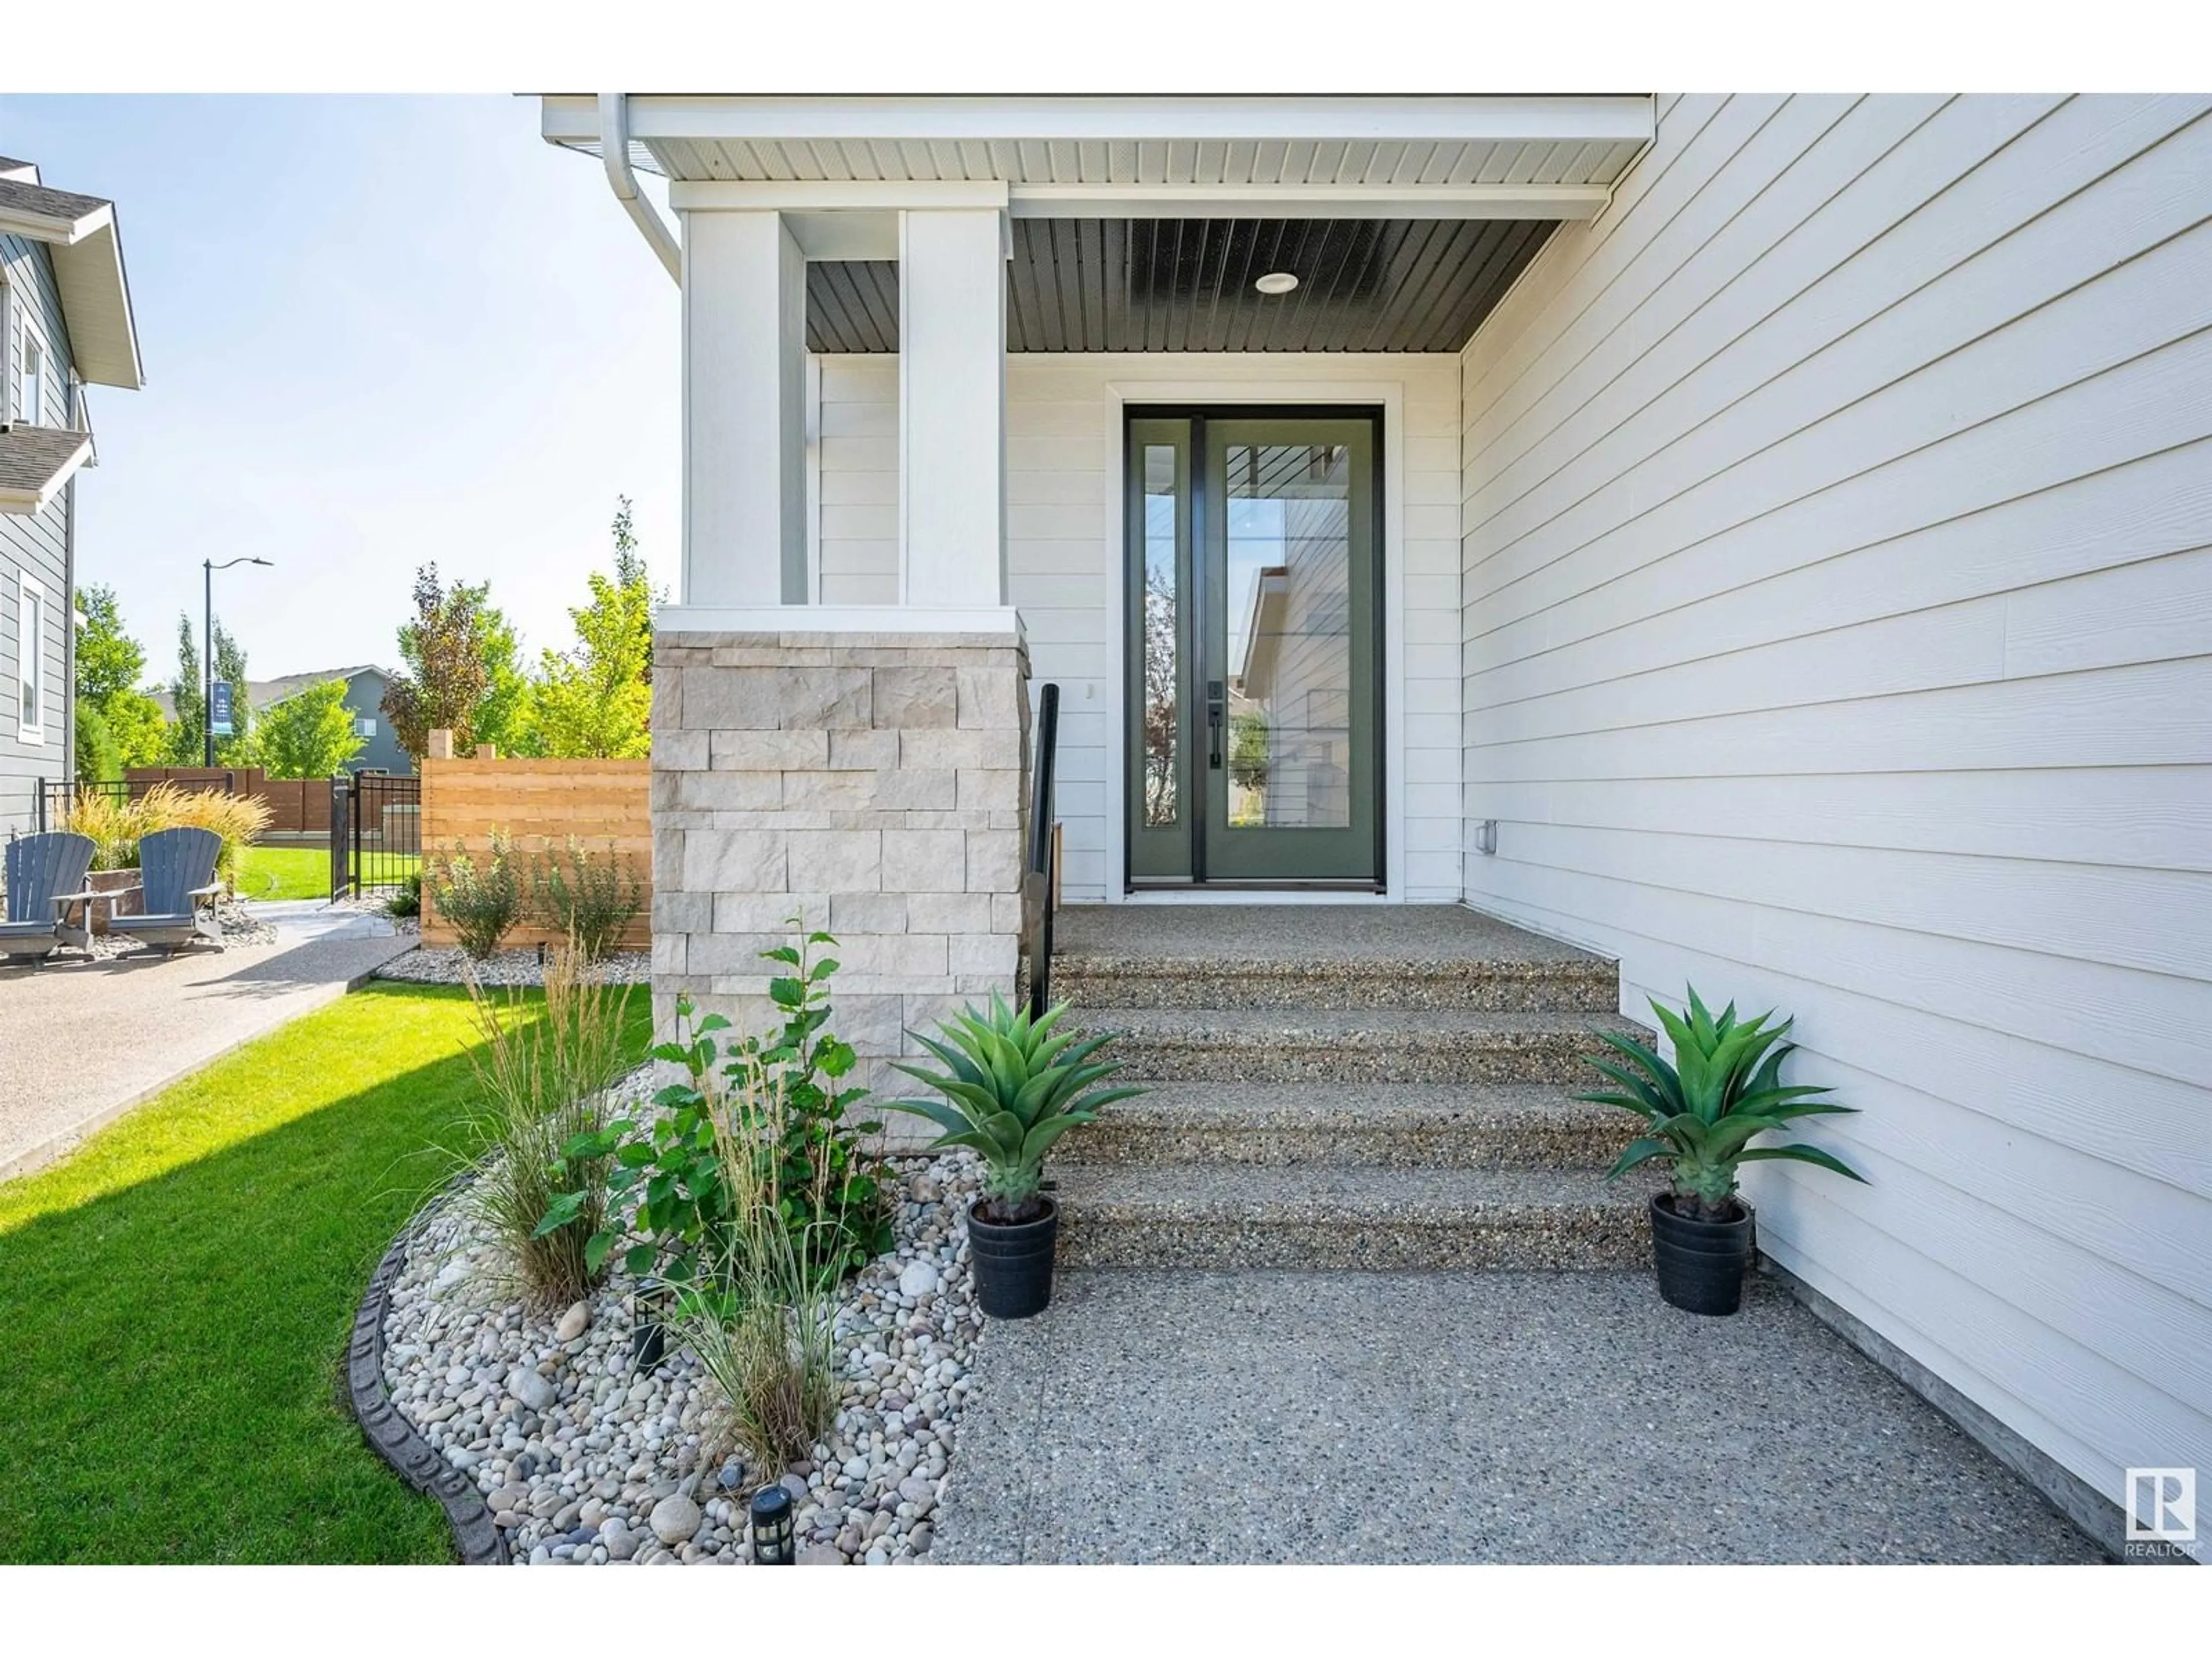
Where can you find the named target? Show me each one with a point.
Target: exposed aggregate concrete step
(1228, 1216)
(1395, 1125)
(1340, 1046)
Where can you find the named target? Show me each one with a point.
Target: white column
(952, 396)
(745, 427)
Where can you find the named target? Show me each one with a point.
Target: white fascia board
(1591, 118)
(1309, 201)
(836, 195)
(1004, 619)
(51, 227)
(29, 501)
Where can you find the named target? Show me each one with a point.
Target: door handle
(1213, 715)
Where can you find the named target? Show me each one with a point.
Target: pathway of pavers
(1510, 1417)
(82, 1041)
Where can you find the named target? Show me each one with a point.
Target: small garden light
(648, 1317)
(771, 1540)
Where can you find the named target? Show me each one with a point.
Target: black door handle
(1213, 712)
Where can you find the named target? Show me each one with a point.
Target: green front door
(1253, 744)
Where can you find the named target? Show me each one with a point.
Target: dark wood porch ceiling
(1186, 285)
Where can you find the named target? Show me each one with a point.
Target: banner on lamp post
(219, 712)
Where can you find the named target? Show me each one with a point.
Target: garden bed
(583, 1458)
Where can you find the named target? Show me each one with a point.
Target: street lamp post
(208, 568)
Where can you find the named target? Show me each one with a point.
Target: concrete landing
(1381, 934)
(1505, 1417)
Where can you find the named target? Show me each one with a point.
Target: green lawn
(175, 1301)
(304, 873)
(284, 873)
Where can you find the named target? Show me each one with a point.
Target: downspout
(614, 150)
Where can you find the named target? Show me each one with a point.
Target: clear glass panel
(1163, 703)
(1290, 636)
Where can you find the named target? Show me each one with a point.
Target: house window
(33, 411)
(30, 659)
(364, 726)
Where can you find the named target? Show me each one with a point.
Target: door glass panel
(1289, 621)
(1163, 709)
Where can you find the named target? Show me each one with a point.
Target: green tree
(187, 736)
(98, 759)
(188, 697)
(596, 700)
(447, 676)
(310, 734)
(111, 666)
(109, 662)
(502, 713)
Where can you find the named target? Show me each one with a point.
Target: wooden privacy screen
(538, 801)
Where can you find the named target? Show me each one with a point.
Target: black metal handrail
(1043, 861)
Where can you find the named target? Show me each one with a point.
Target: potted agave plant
(1012, 1089)
(1723, 1088)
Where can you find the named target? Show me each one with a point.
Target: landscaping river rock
(586, 1459)
(450, 966)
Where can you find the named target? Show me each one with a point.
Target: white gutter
(614, 150)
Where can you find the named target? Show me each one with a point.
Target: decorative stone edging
(480, 1543)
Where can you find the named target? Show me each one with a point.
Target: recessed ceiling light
(1276, 282)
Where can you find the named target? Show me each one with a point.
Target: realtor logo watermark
(2161, 1511)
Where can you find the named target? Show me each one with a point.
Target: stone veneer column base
(874, 784)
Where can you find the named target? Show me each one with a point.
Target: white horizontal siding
(1059, 473)
(1836, 633)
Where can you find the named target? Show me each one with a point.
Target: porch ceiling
(1186, 285)
(1300, 141)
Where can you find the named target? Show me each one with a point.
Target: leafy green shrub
(1723, 1088)
(1013, 1089)
(482, 902)
(543, 1077)
(406, 899)
(826, 1188)
(587, 900)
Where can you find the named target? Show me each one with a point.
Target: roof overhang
(36, 462)
(86, 250)
(1150, 157)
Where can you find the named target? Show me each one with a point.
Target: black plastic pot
(1013, 1265)
(1700, 1264)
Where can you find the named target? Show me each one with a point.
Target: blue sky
(377, 331)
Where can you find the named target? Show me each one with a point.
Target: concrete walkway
(84, 1042)
(1509, 1416)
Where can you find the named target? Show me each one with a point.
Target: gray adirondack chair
(176, 873)
(45, 875)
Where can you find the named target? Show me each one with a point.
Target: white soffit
(87, 259)
(1325, 145)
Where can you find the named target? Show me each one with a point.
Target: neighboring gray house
(65, 324)
(380, 750)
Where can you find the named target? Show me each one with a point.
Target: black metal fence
(376, 831)
(54, 797)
